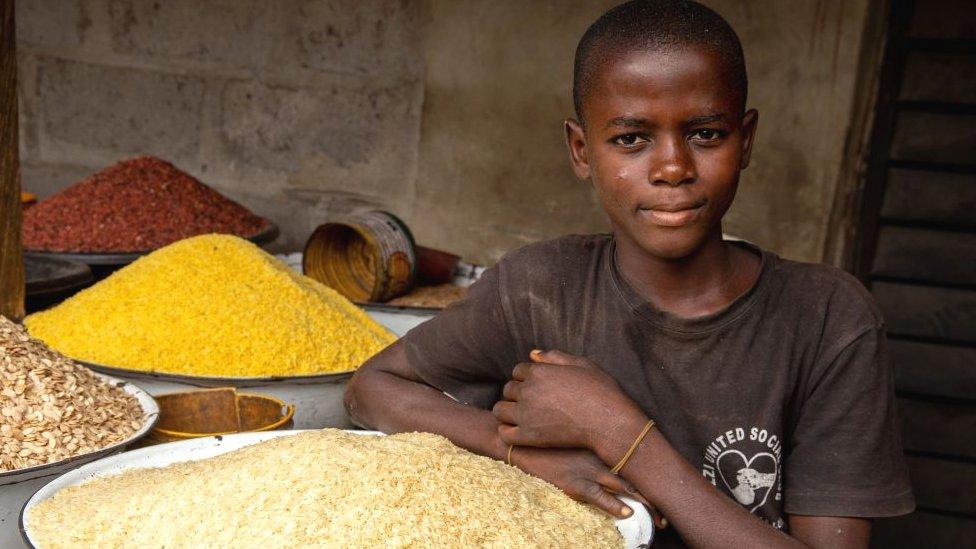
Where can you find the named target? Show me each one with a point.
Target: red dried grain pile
(136, 205)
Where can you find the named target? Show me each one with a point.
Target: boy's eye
(629, 140)
(706, 135)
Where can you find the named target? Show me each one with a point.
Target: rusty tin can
(367, 257)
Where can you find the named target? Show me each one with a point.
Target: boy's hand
(563, 401)
(560, 400)
(582, 476)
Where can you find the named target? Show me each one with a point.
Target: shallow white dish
(18, 485)
(637, 530)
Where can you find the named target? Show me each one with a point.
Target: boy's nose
(672, 165)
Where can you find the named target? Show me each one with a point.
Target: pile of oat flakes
(52, 408)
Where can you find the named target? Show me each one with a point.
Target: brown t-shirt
(783, 400)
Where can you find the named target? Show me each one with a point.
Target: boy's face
(664, 142)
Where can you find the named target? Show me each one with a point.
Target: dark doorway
(916, 250)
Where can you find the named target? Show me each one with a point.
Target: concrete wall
(272, 103)
(802, 58)
(445, 111)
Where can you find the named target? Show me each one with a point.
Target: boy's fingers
(505, 411)
(512, 391)
(623, 487)
(620, 485)
(597, 495)
(509, 434)
(521, 371)
(557, 357)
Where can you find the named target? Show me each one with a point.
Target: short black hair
(656, 25)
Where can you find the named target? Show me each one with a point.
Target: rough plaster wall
(492, 150)
(802, 60)
(273, 103)
(492, 158)
(445, 111)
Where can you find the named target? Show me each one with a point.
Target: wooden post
(11, 253)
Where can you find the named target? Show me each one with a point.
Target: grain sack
(212, 305)
(324, 489)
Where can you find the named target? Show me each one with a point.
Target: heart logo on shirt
(749, 480)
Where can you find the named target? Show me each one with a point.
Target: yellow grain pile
(324, 489)
(212, 305)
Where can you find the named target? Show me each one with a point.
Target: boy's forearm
(392, 404)
(703, 516)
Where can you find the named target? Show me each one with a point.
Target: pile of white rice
(328, 489)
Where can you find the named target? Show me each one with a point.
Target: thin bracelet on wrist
(633, 447)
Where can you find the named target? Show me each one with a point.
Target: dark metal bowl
(266, 236)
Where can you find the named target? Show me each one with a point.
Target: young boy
(766, 380)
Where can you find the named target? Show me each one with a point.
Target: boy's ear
(576, 141)
(749, 122)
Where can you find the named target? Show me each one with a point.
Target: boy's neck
(702, 283)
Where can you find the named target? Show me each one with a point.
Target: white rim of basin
(637, 530)
(150, 414)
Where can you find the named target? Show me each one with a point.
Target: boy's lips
(676, 214)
